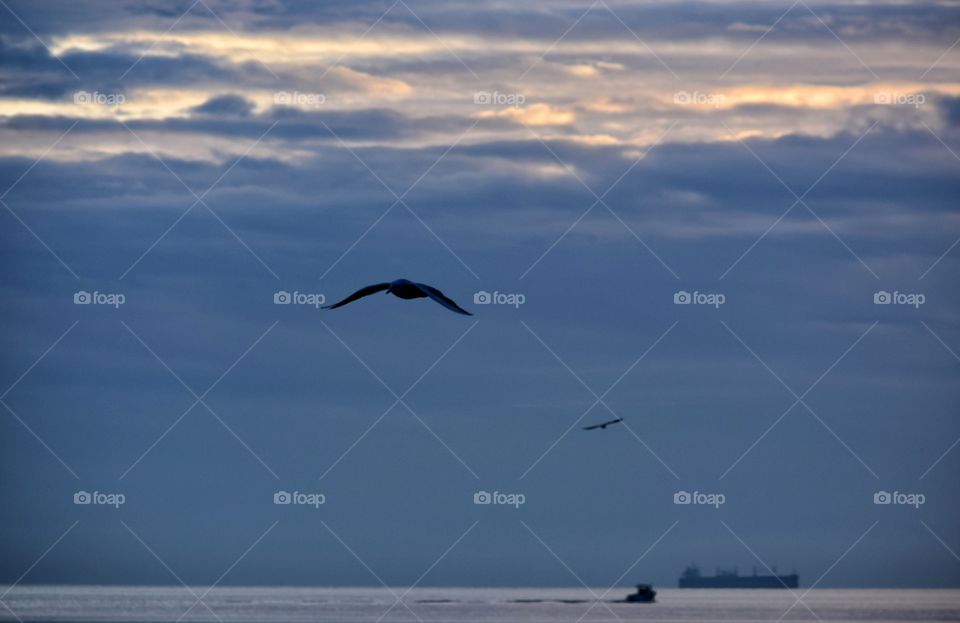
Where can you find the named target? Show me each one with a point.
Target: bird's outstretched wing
(441, 298)
(603, 425)
(359, 294)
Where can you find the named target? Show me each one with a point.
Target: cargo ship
(691, 578)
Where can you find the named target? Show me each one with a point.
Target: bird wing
(441, 298)
(602, 425)
(359, 294)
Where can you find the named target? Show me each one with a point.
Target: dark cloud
(225, 106)
(950, 107)
(688, 20)
(291, 124)
(29, 70)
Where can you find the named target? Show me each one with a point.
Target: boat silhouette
(644, 595)
(691, 578)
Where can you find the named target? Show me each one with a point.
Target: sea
(149, 604)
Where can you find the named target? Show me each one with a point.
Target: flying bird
(603, 425)
(405, 289)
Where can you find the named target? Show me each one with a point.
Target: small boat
(644, 595)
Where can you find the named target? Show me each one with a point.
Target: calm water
(342, 605)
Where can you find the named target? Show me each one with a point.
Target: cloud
(538, 114)
(352, 80)
(950, 107)
(225, 106)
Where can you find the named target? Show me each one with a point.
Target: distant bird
(603, 425)
(404, 289)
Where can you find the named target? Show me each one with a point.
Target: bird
(405, 289)
(603, 425)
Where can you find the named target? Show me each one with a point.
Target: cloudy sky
(732, 224)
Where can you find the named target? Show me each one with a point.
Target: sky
(733, 225)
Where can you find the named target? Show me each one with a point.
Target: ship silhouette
(691, 578)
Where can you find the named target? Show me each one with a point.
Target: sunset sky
(599, 159)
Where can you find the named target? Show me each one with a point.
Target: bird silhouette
(405, 289)
(603, 425)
